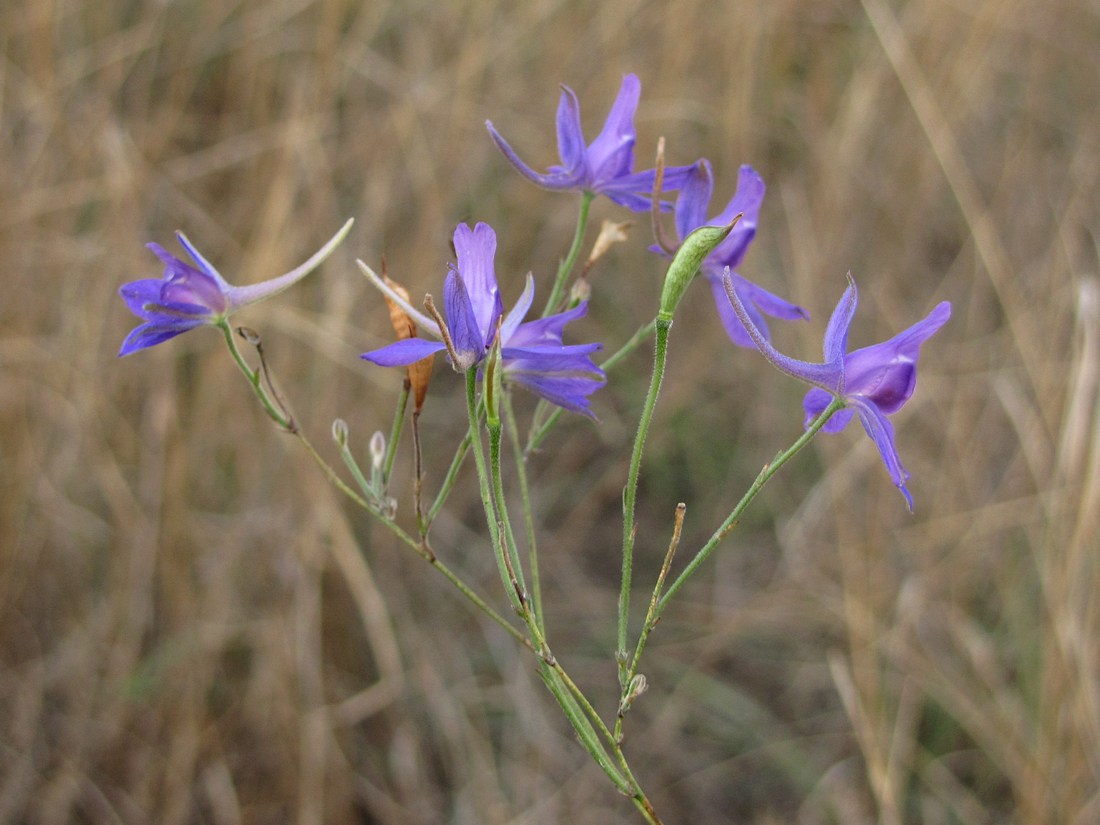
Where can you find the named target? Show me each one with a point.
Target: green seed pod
(689, 257)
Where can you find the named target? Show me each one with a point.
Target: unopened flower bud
(377, 450)
(340, 432)
(689, 257)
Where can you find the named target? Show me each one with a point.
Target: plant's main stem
(630, 492)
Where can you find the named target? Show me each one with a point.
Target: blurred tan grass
(188, 629)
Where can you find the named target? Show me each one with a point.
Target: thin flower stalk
(764, 476)
(566, 266)
(528, 513)
(631, 491)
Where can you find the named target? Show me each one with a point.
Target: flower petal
(746, 202)
(476, 248)
(886, 373)
(881, 431)
(570, 137)
(149, 335)
(545, 330)
(513, 319)
(694, 198)
(611, 154)
(836, 334)
(403, 353)
(465, 335)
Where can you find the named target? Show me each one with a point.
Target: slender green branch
(631, 490)
(486, 492)
(766, 473)
(273, 410)
(451, 477)
(528, 513)
(631, 690)
(570, 260)
(287, 423)
(395, 434)
(497, 479)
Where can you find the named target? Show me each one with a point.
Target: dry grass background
(194, 628)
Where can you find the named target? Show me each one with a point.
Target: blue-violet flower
(691, 213)
(187, 297)
(873, 382)
(532, 353)
(605, 166)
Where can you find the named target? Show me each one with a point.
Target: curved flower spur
(186, 297)
(872, 382)
(532, 353)
(605, 166)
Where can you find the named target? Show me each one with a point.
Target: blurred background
(195, 628)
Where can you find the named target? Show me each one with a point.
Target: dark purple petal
(572, 358)
(886, 373)
(149, 335)
(881, 431)
(757, 301)
(745, 202)
(476, 248)
(635, 191)
(183, 284)
(570, 392)
(461, 322)
(545, 330)
(694, 198)
(611, 154)
(403, 353)
(137, 294)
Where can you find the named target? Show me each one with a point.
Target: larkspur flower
(533, 354)
(605, 166)
(691, 213)
(873, 382)
(187, 297)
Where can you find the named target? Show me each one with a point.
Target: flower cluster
(533, 354)
(872, 382)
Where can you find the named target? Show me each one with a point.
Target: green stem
(528, 513)
(288, 424)
(497, 479)
(486, 492)
(254, 379)
(451, 477)
(731, 521)
(567, 265)
(630, 492)
(395, 436)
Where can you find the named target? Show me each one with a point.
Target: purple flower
(873, 382)
(533, 354)
(691, 213)
(186, 297)
(605, 166)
